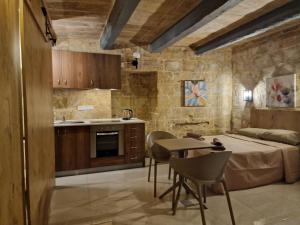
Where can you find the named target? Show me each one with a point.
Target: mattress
(256, 162)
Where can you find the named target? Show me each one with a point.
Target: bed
(255, 162)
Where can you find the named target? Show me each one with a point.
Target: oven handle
(106, 134)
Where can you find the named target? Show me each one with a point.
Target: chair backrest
(157, 135)
(154, 150)
(207, 168)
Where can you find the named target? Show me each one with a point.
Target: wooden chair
(201, 171)
(157, 154)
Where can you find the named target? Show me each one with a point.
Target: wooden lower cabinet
(72, 148)
(134, 143)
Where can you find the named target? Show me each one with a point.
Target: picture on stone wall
(281, 91)
(194, 93)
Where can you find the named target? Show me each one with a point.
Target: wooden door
(11, 164)
(110, 68)
(57, 69)
(39, 131)
(135, 143)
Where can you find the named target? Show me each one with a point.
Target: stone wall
(254, 62)
(161, 104)
(153, 91)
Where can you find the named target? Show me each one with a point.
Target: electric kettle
(127, 114)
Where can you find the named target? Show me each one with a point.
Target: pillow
(283, 136)
(252, 132)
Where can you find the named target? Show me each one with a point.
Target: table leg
(169, 190)
(189, 190)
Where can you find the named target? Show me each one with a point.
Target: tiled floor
(125, 197)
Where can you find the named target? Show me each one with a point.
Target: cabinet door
(93, 70)
(71, 68)
(72, 148)
(83, 147)
(110, 69)
(79, 70)
(65, 144)
(135, 143)
(56, 69)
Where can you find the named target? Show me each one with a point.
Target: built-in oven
(107, 141)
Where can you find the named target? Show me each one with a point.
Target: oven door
(106, 143)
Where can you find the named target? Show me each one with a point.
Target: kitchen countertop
(95, 122)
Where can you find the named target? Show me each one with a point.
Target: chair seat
(198, 181)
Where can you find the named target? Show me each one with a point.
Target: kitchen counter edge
(122, 122)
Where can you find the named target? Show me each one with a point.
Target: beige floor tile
(126, 198)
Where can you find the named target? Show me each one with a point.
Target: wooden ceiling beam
(285, 13)
(119, 16)
(205, 12)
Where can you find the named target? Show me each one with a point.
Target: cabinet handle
(92, 83)
(58, 81)
(133, 158)
(66, 82)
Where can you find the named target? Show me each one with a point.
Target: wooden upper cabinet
(111, 72)
(78, 70)
(93, 69)
(56, 69)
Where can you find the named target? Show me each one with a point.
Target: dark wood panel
(79, 70)
(11, 165)
(66, 149)
(72, 68)
(93, 69)
(57, 69)
(135, 143)
(39, 132)
(72, 148)
(110, 69)
(108, 161)
(83, 148)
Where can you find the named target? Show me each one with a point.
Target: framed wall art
(281, 91)
(194, 93)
